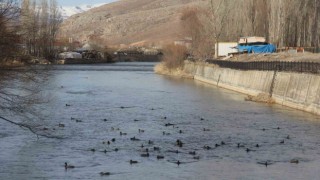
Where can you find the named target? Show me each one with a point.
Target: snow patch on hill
(67, 11)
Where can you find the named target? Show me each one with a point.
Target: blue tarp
(268, 48)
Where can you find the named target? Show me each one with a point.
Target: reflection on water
(108, 99)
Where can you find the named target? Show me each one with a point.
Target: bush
(174, 56)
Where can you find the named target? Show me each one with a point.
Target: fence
(302, 67)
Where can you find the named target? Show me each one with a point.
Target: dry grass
(174, 56)
(262, 98)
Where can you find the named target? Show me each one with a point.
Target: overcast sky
(80, 2)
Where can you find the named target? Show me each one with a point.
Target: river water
(126, 97)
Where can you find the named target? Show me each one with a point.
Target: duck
(223, 143)
(204, 129)
(160, 157)
(45, 129)
(108, 142)
(240, 145)
(78, 121)
(134, 139)
(178, 162)
(294, 161)
(145, 155)
(207, 147)
(192, 153)
(133, 162)
(169, 124)
(164, 133)
(282, 142)
(156, 148)
(216, 145)
(202, 119)
(150, 142)
(68, 105)
(142, 146)
(196, 157)
(257, 145)
(179, 143)
(248, 150)
(105, 120)
(180, 131)
(66, 166)
(113, 139)
(116, 149)
(123, 134)
(146, 150)
(288, 137)
(61, 125)
(93, 150)
(105, 173)
(165, 117)
(141, 131)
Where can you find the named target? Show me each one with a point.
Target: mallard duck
(294, 161)
(61, 125)
(192, 153)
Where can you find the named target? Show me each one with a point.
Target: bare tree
(19, 89)
(40, 26)
(9, 39)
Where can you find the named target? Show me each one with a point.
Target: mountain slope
(129, 21)
(67, 11)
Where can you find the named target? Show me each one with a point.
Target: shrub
(174, 56)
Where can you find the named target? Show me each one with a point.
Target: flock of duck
(148, 148)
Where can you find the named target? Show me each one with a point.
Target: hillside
(129, 22)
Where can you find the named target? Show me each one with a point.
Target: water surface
(131, 97)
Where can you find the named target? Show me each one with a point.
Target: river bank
(296, 90)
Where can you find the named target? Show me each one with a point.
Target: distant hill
(130, 22)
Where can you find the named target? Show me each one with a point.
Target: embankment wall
(296, 90)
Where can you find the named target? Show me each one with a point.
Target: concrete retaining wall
(295, 90)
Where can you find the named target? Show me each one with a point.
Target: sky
(80, 2)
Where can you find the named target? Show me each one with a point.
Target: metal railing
(302, 67)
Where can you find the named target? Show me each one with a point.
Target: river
(125, 97)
